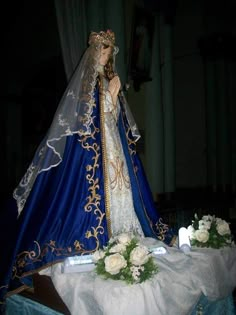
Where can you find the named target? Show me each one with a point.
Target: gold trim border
(104, 160)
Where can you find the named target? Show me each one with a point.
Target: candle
(184, 242)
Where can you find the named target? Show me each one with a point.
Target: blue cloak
(66, 214)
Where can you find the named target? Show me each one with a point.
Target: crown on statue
(106, 38)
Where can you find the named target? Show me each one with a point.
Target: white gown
(122, 213)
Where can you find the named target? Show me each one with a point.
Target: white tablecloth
(176, 289)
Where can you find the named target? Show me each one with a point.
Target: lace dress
(122, 213)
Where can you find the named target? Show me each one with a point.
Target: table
(205, 276)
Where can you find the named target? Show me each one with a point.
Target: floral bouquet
(125, 259)
(209, 231)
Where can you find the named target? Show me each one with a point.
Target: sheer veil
(74, 115)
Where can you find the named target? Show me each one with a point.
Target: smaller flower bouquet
(210, 231)
(125, 259)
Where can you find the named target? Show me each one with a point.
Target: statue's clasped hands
(114, 88)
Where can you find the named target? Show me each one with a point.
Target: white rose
(218, 220)
(99, 254)
(223, 227)
(139, 255)
(114, 263)
(191, 232)
(124, 238)
(118, 248)
(202, 236)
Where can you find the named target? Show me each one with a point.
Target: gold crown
(106, 38)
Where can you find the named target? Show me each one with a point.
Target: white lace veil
(73, 116)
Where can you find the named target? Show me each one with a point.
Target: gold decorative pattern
(28, 257)
(105, 166)
(119, 177)
(93, 200)
(162, 228)
(131, 142)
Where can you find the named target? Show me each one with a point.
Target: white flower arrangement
(210, 231)
(125, 259)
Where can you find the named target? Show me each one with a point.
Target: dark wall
(34, 81)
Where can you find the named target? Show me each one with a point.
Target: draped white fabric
(176, 289)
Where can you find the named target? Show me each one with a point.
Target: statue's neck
(100, 69)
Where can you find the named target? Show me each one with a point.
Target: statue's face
(105, 54)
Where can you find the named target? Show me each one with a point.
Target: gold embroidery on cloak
(28, 257)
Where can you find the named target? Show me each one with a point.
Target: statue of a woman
(86, 182)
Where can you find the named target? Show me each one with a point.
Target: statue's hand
(114, 88)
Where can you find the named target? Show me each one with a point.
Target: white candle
(184, 242)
